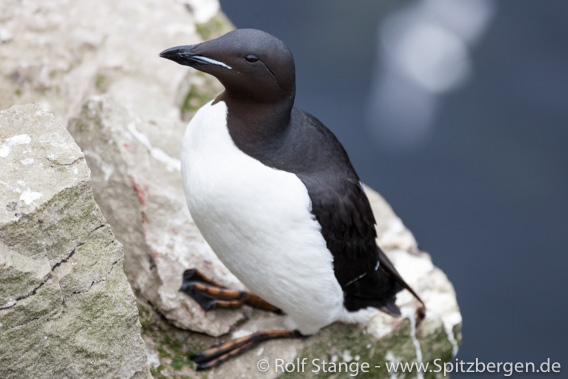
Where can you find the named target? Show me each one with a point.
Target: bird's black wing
(339, 204)
(341, 207)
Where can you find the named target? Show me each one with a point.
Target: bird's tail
(389, 267)
(378, 289)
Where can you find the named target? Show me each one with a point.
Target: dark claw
(193, 275)
(198, 357)
(189, 275)
(186, 286)
(208, 305)
(205, 301)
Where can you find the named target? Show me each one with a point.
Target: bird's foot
(218, 354)
(210, 295)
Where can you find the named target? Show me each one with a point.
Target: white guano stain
(450, 321)
(408, 312)
(157, 153)
(6, 147)
(29, 196)
(153, 358)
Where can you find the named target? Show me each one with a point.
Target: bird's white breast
(258, 221)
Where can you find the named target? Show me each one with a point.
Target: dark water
(485, 189)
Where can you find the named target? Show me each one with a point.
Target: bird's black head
(251, 64)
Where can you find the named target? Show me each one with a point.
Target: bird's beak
(189, 56)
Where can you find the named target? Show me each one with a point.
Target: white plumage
(258, 221)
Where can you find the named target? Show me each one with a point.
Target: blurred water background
(457, 113)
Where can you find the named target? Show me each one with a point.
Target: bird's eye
(251, 58)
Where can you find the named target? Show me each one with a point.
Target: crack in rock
(94, 283)
(64, 260)
(24, 323)
(109, 243)
(63, 164)
(32, 292)
(97, 228)
(88, 289)
(114, 264)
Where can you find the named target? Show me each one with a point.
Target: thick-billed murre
(273, 192)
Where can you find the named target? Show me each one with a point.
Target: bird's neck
(257, 121)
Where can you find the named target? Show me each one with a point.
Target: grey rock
(61, 52)
(137, 182)
(66, 308)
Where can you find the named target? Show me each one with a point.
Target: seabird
(273, 192)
